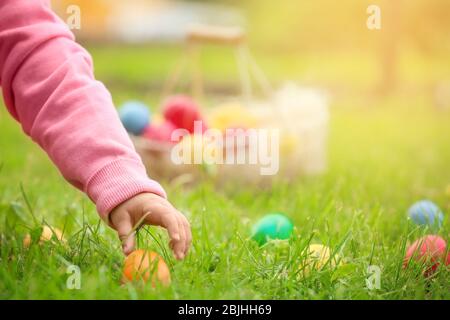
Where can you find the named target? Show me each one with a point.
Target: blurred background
(323, 42)
(388, 90)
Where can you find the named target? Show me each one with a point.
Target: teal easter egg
(274, 226)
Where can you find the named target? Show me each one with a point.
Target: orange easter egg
(147, 266)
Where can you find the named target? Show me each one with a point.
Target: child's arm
(49, 87)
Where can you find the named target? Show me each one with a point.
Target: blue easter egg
(425, 212)
(135, 116)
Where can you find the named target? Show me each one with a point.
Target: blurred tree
(427, 25)
(292, 25)
(390, 32)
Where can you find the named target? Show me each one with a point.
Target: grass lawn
(384, 154)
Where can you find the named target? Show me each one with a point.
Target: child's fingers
(170, 222)
(179, 246)
(187, 231)
(124, 228)
(183, 242)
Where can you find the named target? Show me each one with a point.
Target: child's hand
(157, 211)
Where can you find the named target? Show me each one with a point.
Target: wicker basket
(300, 115)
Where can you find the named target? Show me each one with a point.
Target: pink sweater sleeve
(49, 87)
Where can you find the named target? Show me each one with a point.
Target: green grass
(384, 154)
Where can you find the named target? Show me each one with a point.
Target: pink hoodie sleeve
(49, 87)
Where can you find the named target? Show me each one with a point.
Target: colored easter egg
(429, 252)
(147, 266)
(425, 212)
(183, 112)
(275, 226)
(135, 116)
(232, 116)
(317, 257)
(160, 132)
(47, 235)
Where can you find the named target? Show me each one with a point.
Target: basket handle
(198, 35)
(202, 34)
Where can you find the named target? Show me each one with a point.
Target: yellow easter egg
(317, 257)
(46, 235)
(231, 115)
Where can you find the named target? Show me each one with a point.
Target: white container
(303, 117)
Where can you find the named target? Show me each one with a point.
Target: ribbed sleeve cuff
(117, 182)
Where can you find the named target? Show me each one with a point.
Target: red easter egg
(429, 251)
(182, 111)
(161, 132)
